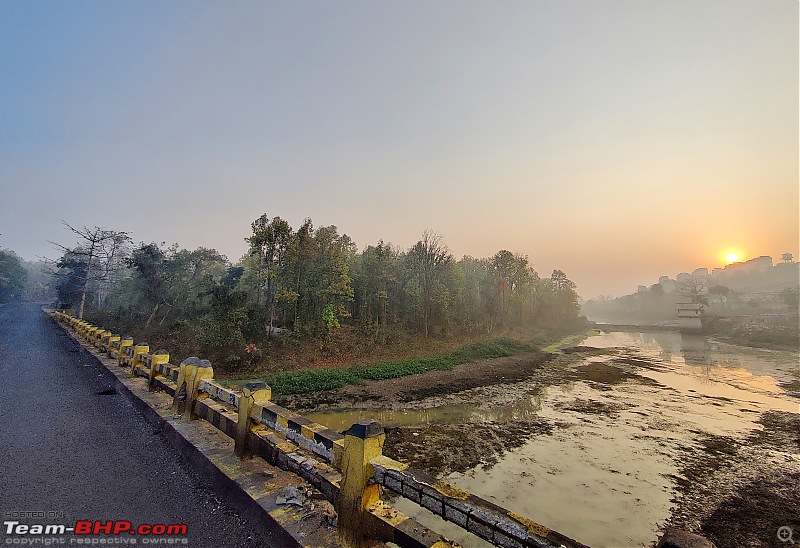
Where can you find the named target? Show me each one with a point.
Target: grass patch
(313, 380)
(787, 339)
(568, 340)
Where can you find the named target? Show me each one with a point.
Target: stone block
(410, 493)
(455, 515)
(433, 504)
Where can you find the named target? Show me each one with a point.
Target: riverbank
(324, 379)
(649, 429)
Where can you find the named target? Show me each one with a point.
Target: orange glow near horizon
(731, 257)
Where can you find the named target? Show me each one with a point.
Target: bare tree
(694, 290)
(430, 258)
(102, 250)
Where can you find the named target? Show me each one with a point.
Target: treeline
(21, 279)
(12, 276)
(297, 287)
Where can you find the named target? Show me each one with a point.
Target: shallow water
(608, 479)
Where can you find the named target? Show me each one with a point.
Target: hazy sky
(615, 140)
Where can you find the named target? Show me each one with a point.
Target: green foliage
(39, 285)
(312, 380)
(329, 317)
(12, 276)
(295, 288)
(171, 283)
(71, 274)
(222, 327)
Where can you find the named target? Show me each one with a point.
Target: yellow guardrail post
(98, 337)
(253, 393)
(193, 370)
(160, 357)
(123, 344)
(138, 350)
(363, 442)
(105, 346)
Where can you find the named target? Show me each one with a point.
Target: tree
(694, 290)
(223, 325)
(12, 275)
(71, 275)
(328, 281)
(566, 298)
(299, 258)
(471, 281)
(177, 281)
(149, 263)
(101, 251)
(791, 297)
(512, 275)
(430, 260)
(375, 283)
(721, 290)
(269, 242)
(39, 283)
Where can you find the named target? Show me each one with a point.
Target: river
(610, 472)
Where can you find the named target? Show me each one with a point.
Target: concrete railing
(348, 469)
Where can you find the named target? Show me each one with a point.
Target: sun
(731, 257)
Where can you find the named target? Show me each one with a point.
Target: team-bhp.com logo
(22, 533)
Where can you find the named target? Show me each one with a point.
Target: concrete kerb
(193, 390)
(211, 454)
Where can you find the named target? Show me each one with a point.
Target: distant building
(759, 264)
(748, 278)
(669, 286)
(689, 316)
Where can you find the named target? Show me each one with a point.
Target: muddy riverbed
(608, 442)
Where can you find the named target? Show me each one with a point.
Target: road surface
(65, 448)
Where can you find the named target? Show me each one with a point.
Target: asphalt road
(66, 448)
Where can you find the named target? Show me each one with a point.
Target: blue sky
(616, 140)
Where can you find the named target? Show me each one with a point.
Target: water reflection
(667, 343)
(695, 349)
(693, 363)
